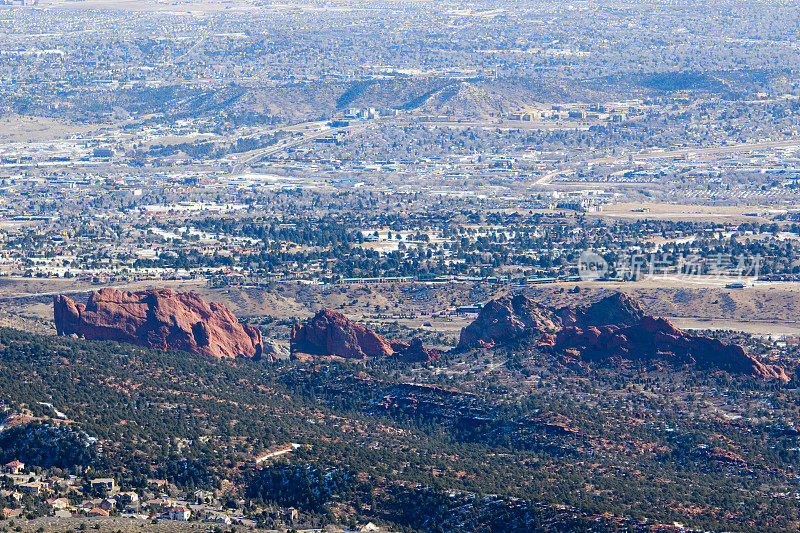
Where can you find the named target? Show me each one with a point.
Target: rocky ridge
(615, 328)
(159, 319)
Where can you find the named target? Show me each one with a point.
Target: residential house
(15, 467)
(155, 484)
(127, 498)
(218, 518)
(57, 503)
(88, 505)
(57, 482)
(34, 487)
(16, 496)
(161, 505)
(107, 504)
(203, 496)
(105, 484)
(16, 479)
(179, 513)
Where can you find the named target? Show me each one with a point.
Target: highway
(320, 129)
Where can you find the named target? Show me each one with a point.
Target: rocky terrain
(330, 334)
(506, 319)
(615, 328)
(159, 319)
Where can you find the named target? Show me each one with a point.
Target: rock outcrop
(158, 319)
(616, 328)
(330, 334)
(276, 350)
(656, 339)
(506, 319)
(617, 309)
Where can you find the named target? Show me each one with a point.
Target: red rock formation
(718, 454)
(506, 319)
(614, 328)
(554, 422)
(158, 319)
(331, 334)
(655, 339)
(415, 352)
(617, 309)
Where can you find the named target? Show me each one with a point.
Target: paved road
(136, 285)
(308, 136)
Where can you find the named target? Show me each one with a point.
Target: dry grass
(19, 129)
(766, 308)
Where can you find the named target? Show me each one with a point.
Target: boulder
(159, 319)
